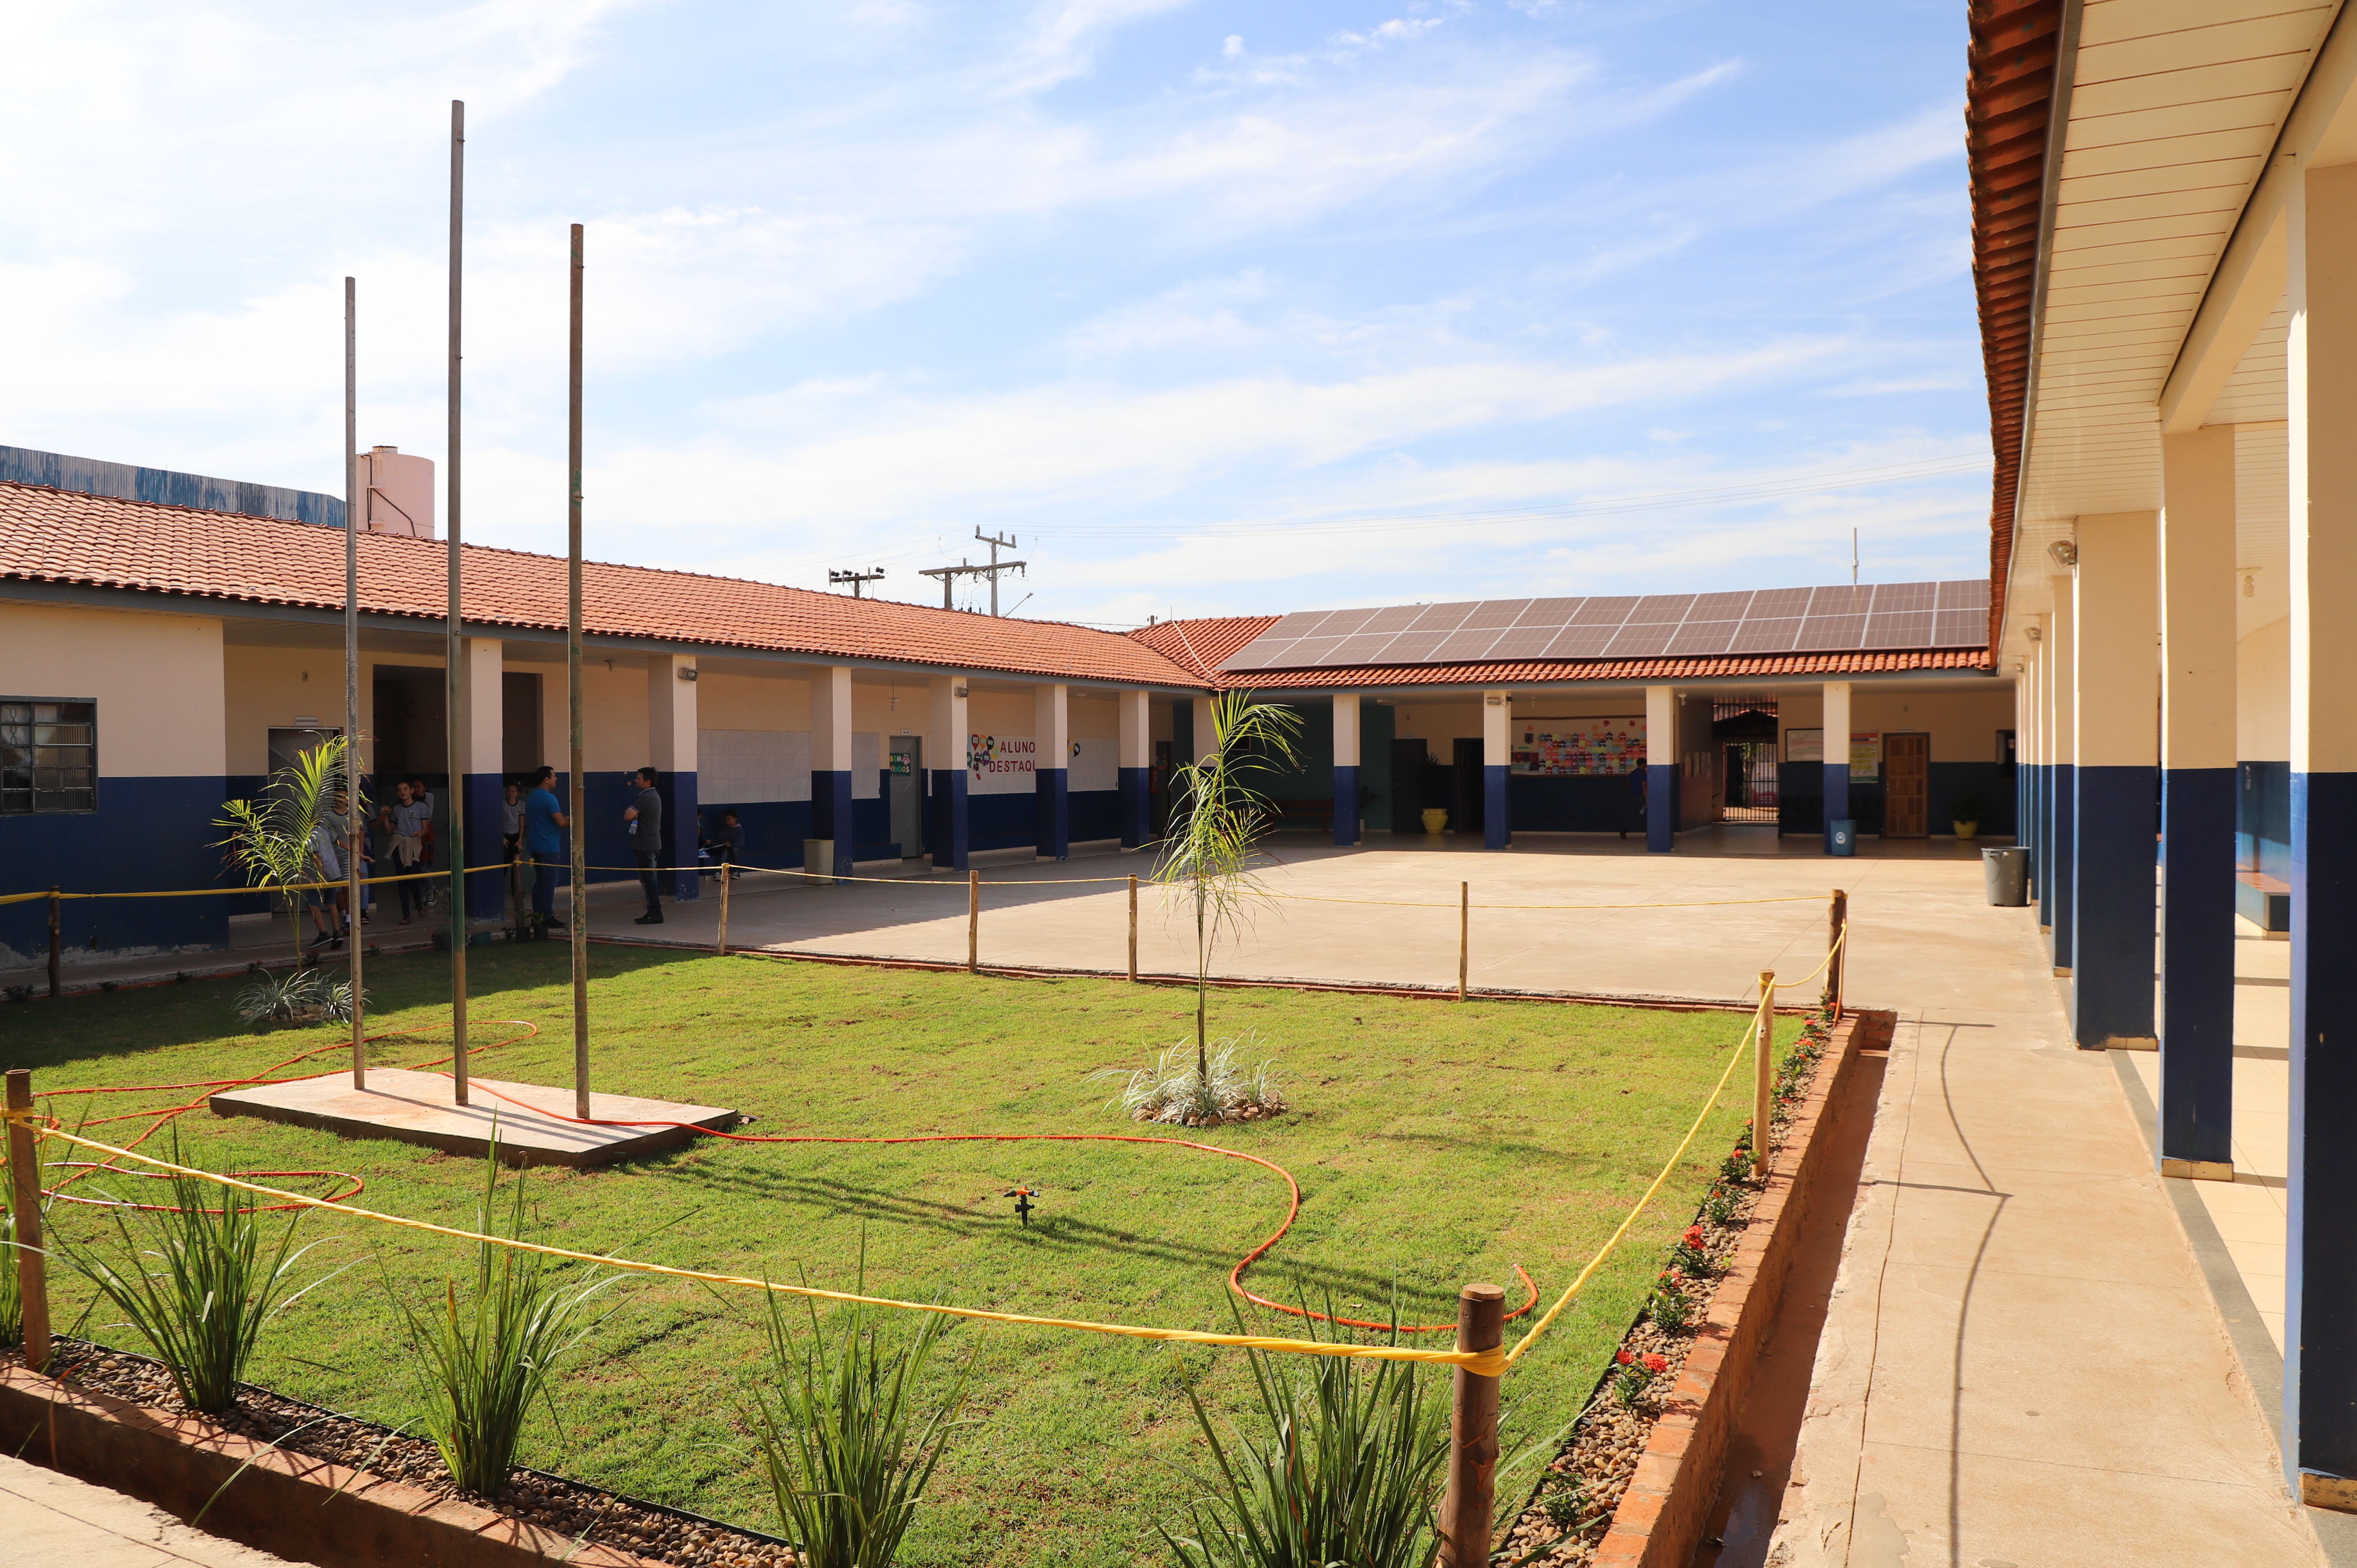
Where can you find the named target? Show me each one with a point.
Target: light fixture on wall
(2065, 552)
(2036, 633)
(958, 690)
(688, 674)
(2250, 585)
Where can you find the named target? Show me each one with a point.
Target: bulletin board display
(1578, 747)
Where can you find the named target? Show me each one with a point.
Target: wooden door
(1907, 779)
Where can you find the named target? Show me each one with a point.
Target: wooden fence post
(1464, 934)
(1837, 923)
(57, 951)
(25, 1205)
(1133, 925)
(728, 875)
(973, 920)
(1466, 1505)
(1764, 1053)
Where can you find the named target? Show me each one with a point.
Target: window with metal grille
(48, 756)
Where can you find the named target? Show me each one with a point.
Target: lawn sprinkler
(1023, 1203)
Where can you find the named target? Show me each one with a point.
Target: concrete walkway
(57, 1521)
(2022, 1362)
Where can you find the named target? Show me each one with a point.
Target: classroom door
(1906, 786)
(1409, 761)
(906, 770)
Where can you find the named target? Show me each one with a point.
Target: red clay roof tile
(66, 536)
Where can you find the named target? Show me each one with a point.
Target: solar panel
(1837, 618)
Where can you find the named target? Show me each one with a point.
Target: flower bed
(1591, 1505)
(561, 1519)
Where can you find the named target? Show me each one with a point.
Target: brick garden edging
(283, 1503)
(1659, 1521)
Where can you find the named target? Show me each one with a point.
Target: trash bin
(2007, 871)
(1843, 836)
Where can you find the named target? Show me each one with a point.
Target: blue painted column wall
(2115, 758)
(678, 878)
(1346, 804)
(1661, 769)
(1137, 807)
(2319, 1405)
(1497, 818)
(832, 818)
(487, 891)
(1052, 795)
(952, 832)
(2198, 790)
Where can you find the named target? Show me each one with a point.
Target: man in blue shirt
(542, 822)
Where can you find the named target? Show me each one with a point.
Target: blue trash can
(1845, 836)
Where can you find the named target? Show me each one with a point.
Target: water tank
(396, 492)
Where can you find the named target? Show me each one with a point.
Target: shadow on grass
(1062, 1232)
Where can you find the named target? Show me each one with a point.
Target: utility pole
(995, 542)
(950, 574)
(856, 579)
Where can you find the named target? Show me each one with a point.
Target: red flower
(1656, 1363)
(1674, 1276)
(1624, 1358)
(1694, 1235)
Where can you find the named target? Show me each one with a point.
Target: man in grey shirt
(645, 820)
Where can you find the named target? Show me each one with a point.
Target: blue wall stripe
(2062, 863)
(1346, 803)
(2111, 906)
(2196, 965)
(2321, 1310)
(1497, 821)
(1052, 796)
(1137, 806)
(1661, 806)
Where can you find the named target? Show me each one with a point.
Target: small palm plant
(219, 1278)
(271, 840)
(1217, 818)
(485, 1363)
(1348, 1470)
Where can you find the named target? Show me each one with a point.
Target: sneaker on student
(652, 918)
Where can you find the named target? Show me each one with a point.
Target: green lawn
(1435, 1143)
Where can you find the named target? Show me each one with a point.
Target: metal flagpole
(454, 684)
(578, 787)
(355, 823)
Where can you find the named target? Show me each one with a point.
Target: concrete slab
(531, 1119)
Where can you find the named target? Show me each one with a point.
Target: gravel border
(574, 1509)
(1570, 1509)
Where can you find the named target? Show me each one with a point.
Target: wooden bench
(2264, 900)
(1320, 811)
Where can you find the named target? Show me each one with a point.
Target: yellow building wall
(158, 681)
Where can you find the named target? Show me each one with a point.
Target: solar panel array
(1878, 617)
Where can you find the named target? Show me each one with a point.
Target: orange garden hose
(160, 1116)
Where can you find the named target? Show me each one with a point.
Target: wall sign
(1865, 751)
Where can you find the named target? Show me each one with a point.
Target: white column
(475, 774)
(1137, 760)
(830, 707)
(2196, 1022)
(483, 725)
(2319, 1446)
(1497, 758)
(2061, 734)
(1137, 729)
(1660, 769)
(1207, 742)
(1051, 763)
(945, 744)
(1836, 781)
(1051, 724)
(1346, 769)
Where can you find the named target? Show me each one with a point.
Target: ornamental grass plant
(847, 1438)
(199, 1284)
(1346, 1468)
(485, 1361)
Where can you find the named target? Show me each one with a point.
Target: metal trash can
(2007, 871)
(1843, 837)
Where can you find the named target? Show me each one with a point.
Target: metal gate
(1752, 782)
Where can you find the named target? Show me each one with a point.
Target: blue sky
(1218, 308)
